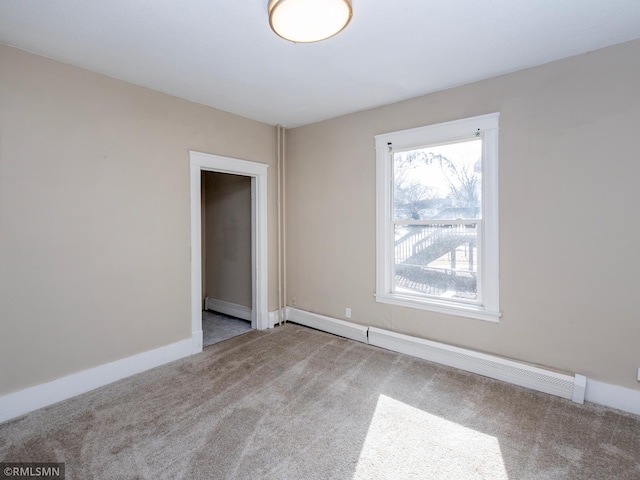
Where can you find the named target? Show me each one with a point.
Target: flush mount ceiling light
(304, 21)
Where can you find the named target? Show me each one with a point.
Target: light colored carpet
(295, 403)
(217, 327)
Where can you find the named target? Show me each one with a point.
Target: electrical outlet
(639, 374)
(347, 312)
(294, 301)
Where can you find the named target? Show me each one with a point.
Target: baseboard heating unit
(327, 324)
(228, 308)
(567, 386)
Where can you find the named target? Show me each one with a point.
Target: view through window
(437, 218)
(437, 195)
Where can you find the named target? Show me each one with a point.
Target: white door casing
(200, 162)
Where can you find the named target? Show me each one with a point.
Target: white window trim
(485, 125)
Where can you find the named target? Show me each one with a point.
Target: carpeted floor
(217, 327)
(295, 403)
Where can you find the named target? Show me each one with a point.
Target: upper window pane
(442, 182)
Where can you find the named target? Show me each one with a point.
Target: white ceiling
(222, 53)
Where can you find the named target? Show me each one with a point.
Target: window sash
(486, 305)
(479, 258)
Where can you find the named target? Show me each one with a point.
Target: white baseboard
(24, 401)
(328, 324)
(228, 308)
(196, 341)
(614, 396)
(274, 318)
(238, 311)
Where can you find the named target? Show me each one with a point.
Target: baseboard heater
(228, 308)
(328, 324)
(571, 387)
(567, 386)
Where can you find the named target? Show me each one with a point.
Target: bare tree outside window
(437, 235)
(441, 184)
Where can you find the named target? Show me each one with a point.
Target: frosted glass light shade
(304, 21)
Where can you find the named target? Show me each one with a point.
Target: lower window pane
(437, 260)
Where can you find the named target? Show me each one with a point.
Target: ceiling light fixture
(304, 21)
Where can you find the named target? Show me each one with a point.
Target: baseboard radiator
(564, 385)
(327, 324)
(228, 308)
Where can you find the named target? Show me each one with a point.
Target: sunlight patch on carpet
(406, 442)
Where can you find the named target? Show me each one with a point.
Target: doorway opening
(200, 164)
(226, 256)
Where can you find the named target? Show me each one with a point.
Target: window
(437, 218)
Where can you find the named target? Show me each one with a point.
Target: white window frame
(487, 307)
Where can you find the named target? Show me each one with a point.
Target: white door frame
(200, 162)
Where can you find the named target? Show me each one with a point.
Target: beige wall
(94, 215)
(227, 244)
(569, 195)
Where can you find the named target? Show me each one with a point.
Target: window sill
(459, 310)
